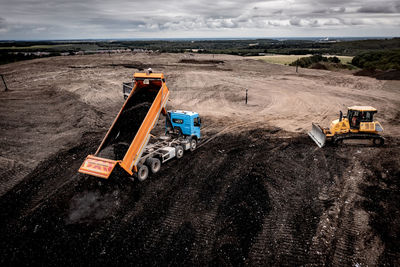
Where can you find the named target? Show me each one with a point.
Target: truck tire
(179, 152)
(193, 144)
(154, 164)
(143, 172)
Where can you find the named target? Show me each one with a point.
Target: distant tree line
(233, 47)
(306, 62)
(6, 58)
(381, 60)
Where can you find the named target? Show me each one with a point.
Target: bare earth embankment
(257, 191)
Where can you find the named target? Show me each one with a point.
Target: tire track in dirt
(331, 243)
(262, 200)
(380, 193)
(344, 235)
(11, 168)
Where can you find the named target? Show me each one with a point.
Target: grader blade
(317, 135)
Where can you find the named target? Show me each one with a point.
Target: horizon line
(201, 38)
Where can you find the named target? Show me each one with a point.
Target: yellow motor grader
(357, 124)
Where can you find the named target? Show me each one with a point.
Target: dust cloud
(88, 207)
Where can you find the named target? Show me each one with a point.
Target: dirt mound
(131, 119)
(389, 75)
(381, 192)
(379, 74)
(124, 131)
(196, 61)
(252, 198)
(138, 65)
(318, 66)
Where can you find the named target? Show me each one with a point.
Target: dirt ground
(257, 191)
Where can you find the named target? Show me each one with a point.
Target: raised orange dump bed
(130, 131)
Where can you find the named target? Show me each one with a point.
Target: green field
(287, 59)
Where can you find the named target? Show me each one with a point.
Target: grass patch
(279, 59)
(287, 59)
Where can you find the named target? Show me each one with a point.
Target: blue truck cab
(187, 122)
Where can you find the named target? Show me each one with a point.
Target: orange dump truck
(127, 141)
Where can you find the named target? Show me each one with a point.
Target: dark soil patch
(128, 122)
(248, 198)
(318, 66)
(382, 197)
(247, 203)
(379, 74)
(124, 131)
(138, 65)
(196, 61)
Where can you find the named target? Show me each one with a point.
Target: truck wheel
(179, 152)
(193, 144)
(154, 164)
(143, 172)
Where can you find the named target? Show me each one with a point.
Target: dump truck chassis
(162, 151)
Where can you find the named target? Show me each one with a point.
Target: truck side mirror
(340, 116)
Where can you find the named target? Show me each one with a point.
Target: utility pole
(4, 81)
(246, 95)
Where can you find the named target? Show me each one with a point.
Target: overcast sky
(81, 19)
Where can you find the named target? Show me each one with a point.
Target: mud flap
(317, 135)
(98, 166)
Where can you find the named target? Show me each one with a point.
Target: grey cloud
(274, 23)
(93, 18)
(330, 11)
(295, 22)
(315, 23)
(377, 9)
(2, 24)
(115, 22)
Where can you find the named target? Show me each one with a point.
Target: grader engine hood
(371, 127)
